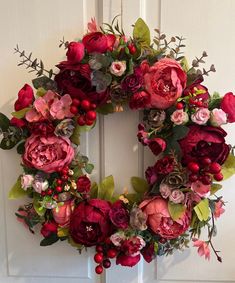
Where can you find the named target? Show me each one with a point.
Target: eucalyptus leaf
(75, 138)
(106, 188)
(89, 168)
(176, 210)
(139, 185)
(20, 147)
(202, 210)
(44, 82)
(7, 144)
(4, 122)
(17, 191)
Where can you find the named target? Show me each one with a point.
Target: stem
(210, 237)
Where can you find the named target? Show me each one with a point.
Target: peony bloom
(218, 117)
(25, 97)
(26, 181)
(159, 220)
(133, 82)
(164, 81)
(203, 249)
(62, 213)
(228, 106)
(118, 68)
(75, 52)
(60, 109)
(157, 145)
(201, 189)
(219, 209)
(201, 116)
(176, 196)
(179, 117)
(139, 100)
(98, 42)
(48, 154)
(164, 165)
(49, 228)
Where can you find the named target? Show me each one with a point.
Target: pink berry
(206, 161)
(89, 122)
(106, 263)
(99, 248)
(206, 179)
(132, 48)
(76, 102)
(59, 189)
(193, 167)
(112, 253)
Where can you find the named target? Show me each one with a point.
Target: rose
(118, 68)
(76, 81)
(117, 238)
(179, 117)
(48, 154)
(62, 213)
(201, 189)
(164, 166)
(132, 246)
(151, 175)
(25, 97)
(164, 81)
(228, 106)
(139, 100)
(119, 215)
(98, 42)
(138, 219)
(49, 228)
(40, 185)
(155, 118)
(26, 181)
(176, 196)
(204, 141)
(19, 123)
(165, 190)
(201, 116)
(126, 260)
(157, 145)
(75, 52)
(90, 223)
(132, 82)
(159, 220)
(218, 117)
(83, 184)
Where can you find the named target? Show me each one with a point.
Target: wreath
(181, 126)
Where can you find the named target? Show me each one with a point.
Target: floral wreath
(181, 126)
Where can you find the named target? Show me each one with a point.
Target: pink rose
(75, 52)
(179, 117)
(48, 154)
(201, 189)
(157, 145)
(176, 196)
(165, 190)
(118, 68)
(228, 106)
(40, 185)
(164, 81)
(218, 117)
(159, 220)
(61, 214)
(201, 116)
(26, 181)
(117, 238)
(25, 97)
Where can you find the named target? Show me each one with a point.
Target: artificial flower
(218, 209)
(228, 106)
(119, 215)
(49, 228)
(118, 68)
(138, 219)
(25, 97)
(26, 181)
(201, 116)
(176, 196)
(139, 100)
(98, 42)
(157, 145)
(75, 52)
(218, 117)
(201, 189)
(179, 117)
(203, 249)
(62, 213)
(83, 184)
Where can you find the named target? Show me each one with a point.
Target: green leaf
(155, 247)
(184, 64)
(7, 144)
(21, 113)
(89, 168)
(53, 238)
(4, 122)
(228, 168)
(37, 206)
(173, 145)
(106, 188)
(17, 191)
(215, 188)
(105, 109)
(176, 210)
(75, 138)
(44, 82)
(94, 190)
(180, 131)
(202, 210)
(141, 32)
(77, 172)
(20, 148)
(73, 244)
(62, 232)
(133, 198)
(139, 185)
(41, 92)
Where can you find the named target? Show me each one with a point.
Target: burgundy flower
(75, 52)
(83, 184)
(41, 128)
(25, 97)
(139, 100)
(126, 260)
(164, 166)
(98, 42)
(148, 252)
(150, 175)
(89, 223)
(204, 141)
(133, 82)
(228, 106)
(142, 135)
(157, 145)
(48, 228)
(119, 215)
(17, 122)
(196, 85)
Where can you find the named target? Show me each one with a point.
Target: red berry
(85, 104)
(89, 122)
(191, 101)
(59, 182)
(193, 177)
(199, 103)
(99, 269)
(73, 110)
(106, 263)
(215, 168)
(49, 192)
(132, 48)
(64, 171)
(193, 167)
(76, 102)
(206, 161)
(64, 178)
(218, 177)
(59, 189)
(43, 193)
(91, 115)
(206, 179)
(111, 253)
(81, 121)
(99, 248)
(108, 241)
(179, 105)
(93, 106)
(98, 258)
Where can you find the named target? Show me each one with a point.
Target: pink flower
(165, 190)
(218, 117)
(61, 108)
(201, 189)
(176, 196)
(92, 25)
(179, 117)
(160, 221)
(26, 181)
(203, 249)
(40, 185)
(48, 154)
(61, 214)
(201, 116)
(164, 81)
(118, 68)
(117, 238)
(228, 106)
(219, 209)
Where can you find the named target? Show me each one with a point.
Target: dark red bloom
(157, 145)
(25, 97)
(148, 252)
(83, 184)
(142, 135)
(98, 42)
(133, 82)
(228, 106)
(48, 228)
(139, 100)
(119, 215)
(17, 122)
(75, 52)
(90, 223)
(126, 260)
(164, 166)
(131, 246)
(41, 128)
(196, 85)
(151, 175)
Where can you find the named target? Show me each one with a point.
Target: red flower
(48, 228)
(83, 184)
(126, 260)
(133, 82)
(157, 145)
(42, 128)
(17, 122)
(25, 97)
(228, 106)
(148, 252)
(204, 141)
(119, 215)
(196, 85)
(139, 100)
(164, 166)
(98, 42)
(75, 52)
(89, 223)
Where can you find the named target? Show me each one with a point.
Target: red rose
(148, 252)
(126, 260)
(89, 223)
(83, 184)
(17, 122)
(119, 215)
(164, 165)
(164, 81)
(48, 228)
(139, 100)
(157, 145)
(133, 82)
(75, 52)
(25, 97)
(98, 42)
(204, 141)
(228, 106)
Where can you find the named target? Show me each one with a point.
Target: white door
(38, 26)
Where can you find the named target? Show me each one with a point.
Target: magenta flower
(61, 108)
(203, 249)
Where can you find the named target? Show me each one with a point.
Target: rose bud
(48, 228)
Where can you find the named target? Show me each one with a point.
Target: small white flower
(118, 68)
(26, 181)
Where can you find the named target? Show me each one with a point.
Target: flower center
(89, 228)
